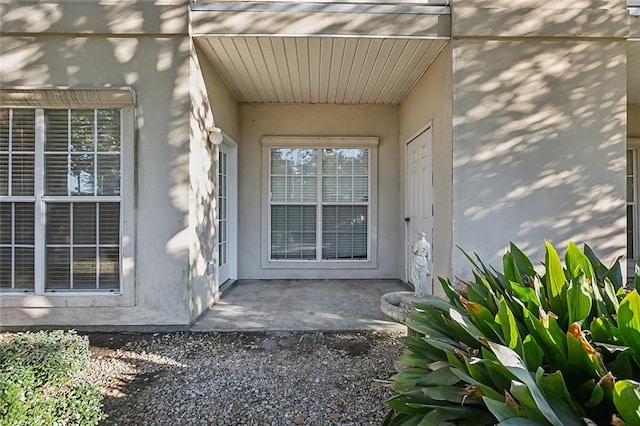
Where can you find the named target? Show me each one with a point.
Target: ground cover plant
(519, 347)
(42, 381)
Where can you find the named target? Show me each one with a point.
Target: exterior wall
(431, 100)
(202, 287)
(211, 104)
(538, 146)
(633, 121)
(540, 18)
(156, 66)
(316, 120)
(226, 110)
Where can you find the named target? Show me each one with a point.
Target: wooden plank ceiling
(319, 70)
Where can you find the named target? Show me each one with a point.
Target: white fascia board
(240, 6)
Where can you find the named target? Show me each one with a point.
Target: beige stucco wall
(539, 18)
(157, 67)
(430, 100)
(633, 121)
(211, 104)
(226, 110)
(316, 120)
(538, 146)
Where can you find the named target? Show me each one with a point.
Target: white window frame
(61, 98)
(319, 142)
(633, 144)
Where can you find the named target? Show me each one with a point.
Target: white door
(419, 202)
(227, 211)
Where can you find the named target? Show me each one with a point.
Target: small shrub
(42, 381)
(522, 348)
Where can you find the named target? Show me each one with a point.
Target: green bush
(42, 382)
(523, 348)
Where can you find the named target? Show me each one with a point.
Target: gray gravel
(253, 379)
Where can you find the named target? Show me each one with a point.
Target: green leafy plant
(42, 381)
(561, 347)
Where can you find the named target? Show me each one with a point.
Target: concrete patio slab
(302, 305)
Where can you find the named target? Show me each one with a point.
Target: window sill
(312, 264)
(65, 300)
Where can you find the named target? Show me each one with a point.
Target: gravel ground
(239, 378)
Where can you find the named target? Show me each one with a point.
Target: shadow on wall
(144, 46)
(539, 152)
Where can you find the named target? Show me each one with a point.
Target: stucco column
(539, 124)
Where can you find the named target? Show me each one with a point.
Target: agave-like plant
(520, 347)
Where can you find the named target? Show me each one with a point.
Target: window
(319, 199)
(632, 205)
(61, 200)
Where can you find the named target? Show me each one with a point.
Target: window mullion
(97, 247)
(39, 229)
(634, 157)
(10, 157)
(319, 205)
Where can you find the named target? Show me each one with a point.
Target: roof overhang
(321, 51)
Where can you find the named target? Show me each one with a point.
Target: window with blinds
(632, 204)
(319, 204)
(66, 218)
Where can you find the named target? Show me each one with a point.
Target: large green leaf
(603, 330)
(555, 389)
(485, 390)
(583, 359)
(532, 352)
(519, 421)
(549, 336)
(510, 330)
(524, 264)
(417, 377)
(510, 269)
(629, 322)
(514, 364)
(599, 268)
(499, 409)
(529, 407)
(579, 296)
(526, 295)
(626, 398)
(555, 281)
(578, 263)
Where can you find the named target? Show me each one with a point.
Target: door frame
(230, 147)
(407, 209)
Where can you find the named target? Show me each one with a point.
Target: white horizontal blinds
(345, 198)
(82, 193)
(222, 208)
(631, 203)
(82, 152)
(293, 186)
(325, 185)
(17, 199)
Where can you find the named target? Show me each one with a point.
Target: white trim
(633, 144)
(203, 3)
(407, 209)
(318, 142)
(66, 97)
(68, 298)
(320, 8)
(316, 35)
(231, 149)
